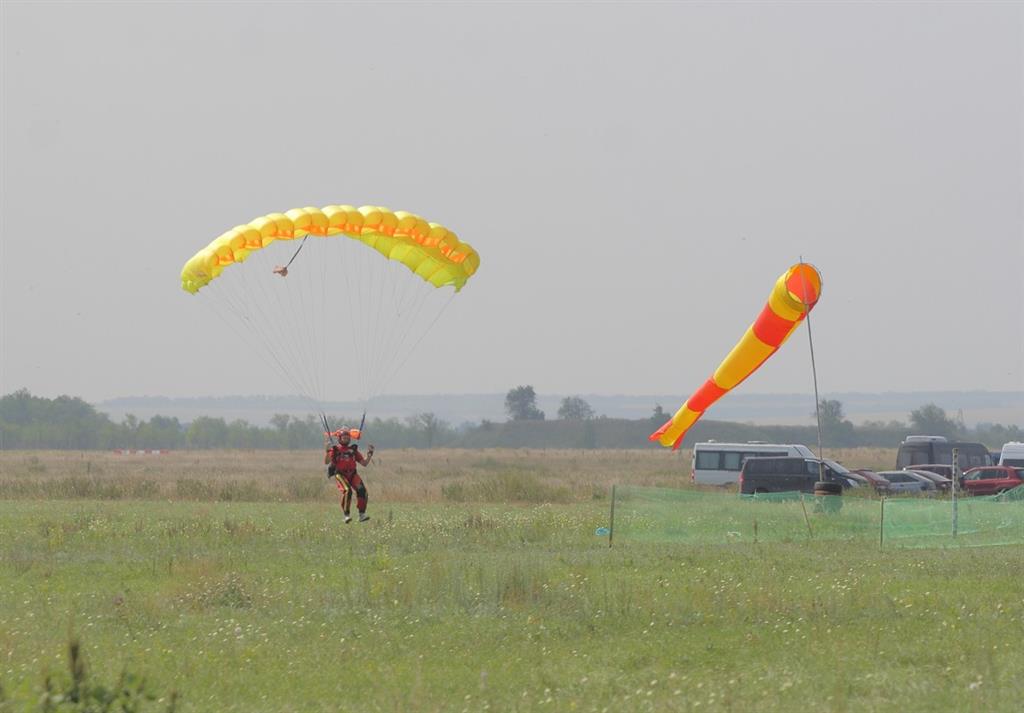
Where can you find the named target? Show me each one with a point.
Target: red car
(992, 479)
(879, 483)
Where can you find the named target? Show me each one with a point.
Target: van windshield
(842, 470)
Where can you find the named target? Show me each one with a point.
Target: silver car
(907, 481)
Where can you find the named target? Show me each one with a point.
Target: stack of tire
(827, 496)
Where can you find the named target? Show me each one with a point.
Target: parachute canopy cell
(794, 295)
(429, 250)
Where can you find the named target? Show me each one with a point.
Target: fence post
(810, 532)
(881, 524)
(952, 488)
(611, 519)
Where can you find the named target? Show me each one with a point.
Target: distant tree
(931, 420)
(429, 425)
(304, 433)
(996, 434)
(521, 404)
(130, 431)
(280, 421)
(574, 408)
(241, 434)
(660, 415)
(834, 428)
(207, 432)
(831, 412)
(589, 436)
(160, 432)
(28, 421)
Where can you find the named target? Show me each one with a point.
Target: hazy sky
(635, 177)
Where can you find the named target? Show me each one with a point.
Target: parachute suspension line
(415, 296)
(381, 329)
(323, 328)
(283, 333)
(384, 329)
(416, 344)
(268, 357)
(378, 326)
(363, 290)
(279, 337)
(310, 311)
(397, 346)
(299, 323)
(349, 274)
(262, 327)
(389, 332)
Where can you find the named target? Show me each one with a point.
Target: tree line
(69, 423)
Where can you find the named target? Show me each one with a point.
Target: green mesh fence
(698, 517)
(977, 521)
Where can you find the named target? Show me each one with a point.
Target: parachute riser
(327, 428)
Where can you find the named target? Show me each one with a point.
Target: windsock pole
(814, 375)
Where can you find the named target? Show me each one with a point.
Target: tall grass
(409, 476)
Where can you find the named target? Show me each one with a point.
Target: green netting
(977, 521)
(700, 517)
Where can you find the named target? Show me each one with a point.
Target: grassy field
(227, 579)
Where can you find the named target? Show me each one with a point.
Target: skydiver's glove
(369, 451)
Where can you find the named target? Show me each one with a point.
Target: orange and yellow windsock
(794, 295)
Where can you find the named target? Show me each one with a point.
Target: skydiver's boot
(363, 517)
(348, 518)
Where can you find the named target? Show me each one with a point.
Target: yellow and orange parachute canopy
(429, 250)
(794, 295)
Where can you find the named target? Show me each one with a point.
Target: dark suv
(918, 450)
(780, 475)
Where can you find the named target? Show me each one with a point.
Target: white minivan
(1012, 454)
(719, 463)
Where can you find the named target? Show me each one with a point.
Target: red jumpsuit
(343, 468)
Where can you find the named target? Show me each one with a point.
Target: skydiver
(281, 270)
(341, 460)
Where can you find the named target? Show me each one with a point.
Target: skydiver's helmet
(352, 433)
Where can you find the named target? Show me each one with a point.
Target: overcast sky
(635, 178)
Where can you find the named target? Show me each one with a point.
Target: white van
(719, 463)
(1012, 454)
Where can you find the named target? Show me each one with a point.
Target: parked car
(907, 481)
(880, 484)
(936, 468)
(942, 482)
(916, 450)
(716, 463)
(781, 475)
(992, 479)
